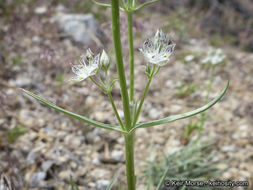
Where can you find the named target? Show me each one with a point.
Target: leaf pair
(139, 125)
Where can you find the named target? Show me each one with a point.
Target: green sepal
(148, 70)
(74, 115)
(181, 116)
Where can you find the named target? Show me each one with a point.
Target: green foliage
(15, 133)
(59, 78)
(192, 162)
(72, 184)
(184, 90)
(17, 60)
(193, 126)
(7, 7)
(216, 40)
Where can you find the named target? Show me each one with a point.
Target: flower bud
(105, 61)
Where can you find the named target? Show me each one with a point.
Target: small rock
(102, 184)
(189, 58)
(228, 148)
(46, 165)
(73, 165)
(73, 141)
(101, 116)
(100, 173)
(117, 155)
(65, 175)
(175, 108)
(154, 113)
(36, 39)
(40, 10)
(37, 177)
(32, 157)
(96, 161)
(243, 127)
(170, 84)
(81, 171)
(79, 27)
(90, 101)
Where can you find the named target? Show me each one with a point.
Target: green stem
(143, 97)
(115, 110)
(119, 62)
(99, 85)
(131, 54)
(129, 154)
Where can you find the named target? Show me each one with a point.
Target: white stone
(117, 155)
(80, 27)
(40, 10)
(102, 184)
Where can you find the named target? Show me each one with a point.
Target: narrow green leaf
(105, 5)
(161, 182)
(181, 116)
(74, 115)
(73, 185)
(115, 178)
(145, 4)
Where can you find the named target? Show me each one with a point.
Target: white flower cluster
(214, 57)
(158, 51)
(89, 65)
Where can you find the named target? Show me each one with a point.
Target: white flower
(159, 51)
(214, 57)
(83, 70)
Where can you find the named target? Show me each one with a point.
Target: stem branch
(115, 110)
(144, 96)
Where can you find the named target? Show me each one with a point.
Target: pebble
(175, 108)
(65, 175)
(102, 184)
(189, 58)
(37, 177)
(40, 10)
(155, 114)
(117, 155)
(46, 165)
(73, 141)
(100, 173)
(78, 26)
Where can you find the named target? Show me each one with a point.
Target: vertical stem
(129, 154)
(131, 53)
(119, 62)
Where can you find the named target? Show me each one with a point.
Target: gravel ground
(55, 147)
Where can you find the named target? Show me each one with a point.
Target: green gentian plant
(156, 53)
